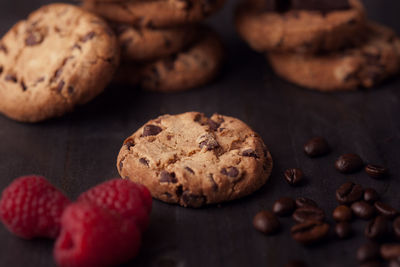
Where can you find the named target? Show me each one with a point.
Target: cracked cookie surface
(59, 57)
(304, 31)
(364, 65)
(193, 160)
(159, 13)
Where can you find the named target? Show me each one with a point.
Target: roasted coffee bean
(309, 232)
(368, 252)
(303, 202)
(370, 195)
(294, 176)
(363, 210)
(316, 147)
(150, 130)
(308, 214)
(377, 228)
(284, 206)
(343, 230)
(342, 213)
(386, 210)
(266, 222)
(348, 193)
(396, 227)
(349, 163)
(296, 263)
(390, 251)
(376, 171)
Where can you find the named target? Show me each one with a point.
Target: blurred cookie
(60, 57)
(300, 26)
(144, 44)
(158, 13)
(193, 160)
(193, 67)
(362, 66)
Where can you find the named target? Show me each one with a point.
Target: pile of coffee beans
(355, 202)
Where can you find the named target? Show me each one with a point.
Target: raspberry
(123, 197)
(31, 207)
(93, 236)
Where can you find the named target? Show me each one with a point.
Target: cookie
(193, 160)
(144, 44)
(304, 31)
(60, 57)
(158, 13)
(193, 67)
(363, 66)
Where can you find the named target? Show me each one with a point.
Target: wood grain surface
(79, 150)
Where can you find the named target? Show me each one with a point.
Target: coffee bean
(308, 214)
(376, 171)
(294, 176)
(349, 163)
(150, 130)
(309, 232)
(342, 213)
(348, 193)
(316, 147)
(396, 227)
(390, 251)
(303, 201)
(363, 210)
(296, 263)
(370, 195)
(368, 252)
(283, 206)
(343, 230)
(266, 222)
(377, 228)
(386, 210)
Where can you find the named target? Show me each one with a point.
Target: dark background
(79, 150)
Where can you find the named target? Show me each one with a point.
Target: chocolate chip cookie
(365, 65)
(144, 44)
(192, 67)
(60, 57)
(158, 13)
(299, 26)
(193, 160)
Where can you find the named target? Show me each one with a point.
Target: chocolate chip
(150, 130)
(60, 85)
(250, 153)
(213, 125)
(76, 46)
(342, 213)
(121, 165)
(294, 176)
(144, 161)
(349, 163)
(308, 213)
(343, 230)
(11, 78)
(129, 143)
(305, 202)
(3, 48)
(71, 89)
(266, 222)
(208, 141)
(309, 232)
(348, 193)
(23, 86)
(203, 120)
(58, 72)
(189, 170)
(193, 200)
(88, 37)
(316, 147)
(230, 171)
(34, 38)
(376, 171)
(1, 70)
(166, 177)
(214, 184)
(386, 210)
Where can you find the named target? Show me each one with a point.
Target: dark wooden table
(79, 150)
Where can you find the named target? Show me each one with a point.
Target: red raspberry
(123, 197)
(93, 236)
(31, 207)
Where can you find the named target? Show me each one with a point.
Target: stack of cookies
(162, 46)
(324, 45)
